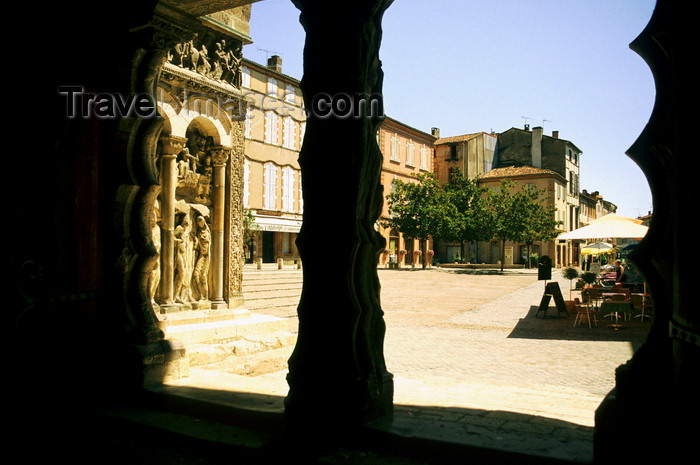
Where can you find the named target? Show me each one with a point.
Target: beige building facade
(554, 186)
(273, 131)
(530, 147)
(274, 128)
(474, 154)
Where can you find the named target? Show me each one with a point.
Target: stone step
(189, 317)
(261, 288)
(270, 294)
(248, 288)
(253, 351)
(220, 330)
(256, 364)
(272, 291)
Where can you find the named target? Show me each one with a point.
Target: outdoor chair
(595, 294)
(589, 312)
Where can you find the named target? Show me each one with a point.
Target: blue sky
(466, 66)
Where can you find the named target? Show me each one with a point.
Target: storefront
(274, 238)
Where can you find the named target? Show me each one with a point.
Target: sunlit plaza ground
(474, 339)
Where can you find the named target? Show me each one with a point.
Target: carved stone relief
(211, 57)
(194, 170)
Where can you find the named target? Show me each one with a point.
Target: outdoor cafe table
(614, 308)
(611, 294)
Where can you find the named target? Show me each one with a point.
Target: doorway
(268, 247)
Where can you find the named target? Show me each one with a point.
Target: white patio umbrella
(609, 226)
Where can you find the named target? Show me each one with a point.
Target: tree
(570, 273)
(418, 209)
(540, 224)
(249, 226)
(472, 218)
(520, 216)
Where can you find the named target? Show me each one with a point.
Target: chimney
(435, 132)
(536, 149)
(555, 134)
(275, 63)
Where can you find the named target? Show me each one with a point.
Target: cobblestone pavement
(501, 341)
(499, 354)
(473, 339)
(474, 363)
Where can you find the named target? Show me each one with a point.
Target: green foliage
(520, 215)
(461, 210)
(249, 226)
(472, 217)
(588, 277)
(418, 209)
(570, 273)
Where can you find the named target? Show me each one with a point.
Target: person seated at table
(620, 272)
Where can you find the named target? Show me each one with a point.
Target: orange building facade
(407, 152)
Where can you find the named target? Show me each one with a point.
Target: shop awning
(279, 224)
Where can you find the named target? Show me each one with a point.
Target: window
(272, 86)
(270, 187)
(395, 148)
(424, 158)
(247, 127)
(245, 77)
(287, 189)
(300, 196)
(288, 128)
(410, 154)
(289, 94)
(246, 184)
(270, 127)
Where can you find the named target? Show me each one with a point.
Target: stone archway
(89, 276)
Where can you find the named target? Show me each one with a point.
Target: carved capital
(172, 145)
(219, 155)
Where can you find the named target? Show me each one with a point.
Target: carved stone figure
(203, 67)
(190, 56)
(178, 57)
(184, 260)
(204, 171)
(154, 276)
(220, 63)
(235, 56)
(201, 268)
(186, 163)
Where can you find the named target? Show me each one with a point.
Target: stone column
(337, 374)
(171, 146)
(219, 158)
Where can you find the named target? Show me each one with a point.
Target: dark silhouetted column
(337, 374)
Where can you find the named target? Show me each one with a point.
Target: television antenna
(268, 52)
